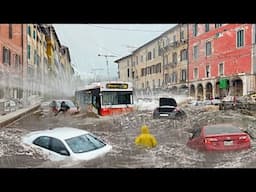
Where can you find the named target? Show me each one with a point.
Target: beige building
(67, 71)
(160, 63)
(37, 60)
(174, 47)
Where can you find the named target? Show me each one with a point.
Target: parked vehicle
(67, 143)
(219, 137)
(55, 106)
(168, 109)
(7, 105)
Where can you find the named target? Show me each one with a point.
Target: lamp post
(106, 57)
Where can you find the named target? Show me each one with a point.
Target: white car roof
(60, 132)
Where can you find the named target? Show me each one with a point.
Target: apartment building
(12, 51)
(220, 60)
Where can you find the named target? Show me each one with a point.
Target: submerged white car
(66, 142)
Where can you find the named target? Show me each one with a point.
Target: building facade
(220, 60)
(12, 52)
(161, 63)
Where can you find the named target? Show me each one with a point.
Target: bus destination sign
(117, 85)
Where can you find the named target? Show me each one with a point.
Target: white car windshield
(84, 143)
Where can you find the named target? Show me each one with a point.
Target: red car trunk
(226, 142)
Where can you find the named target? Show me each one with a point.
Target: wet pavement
(120, 131)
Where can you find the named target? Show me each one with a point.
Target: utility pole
(106, 57)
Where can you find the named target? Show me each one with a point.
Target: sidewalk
(10, 117)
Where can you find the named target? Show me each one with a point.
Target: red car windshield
(221, 129)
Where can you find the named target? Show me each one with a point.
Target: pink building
(12, 57)
(221, 60)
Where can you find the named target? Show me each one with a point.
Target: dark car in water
(219, 137)
(168, 109)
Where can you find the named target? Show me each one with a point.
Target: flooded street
(121, 131)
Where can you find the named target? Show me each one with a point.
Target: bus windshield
(116, 97)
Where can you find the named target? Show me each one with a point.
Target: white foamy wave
(151, 102)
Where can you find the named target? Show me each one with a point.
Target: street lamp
(106, 57)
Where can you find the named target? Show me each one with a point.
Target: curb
(9, 118)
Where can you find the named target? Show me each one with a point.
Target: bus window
(124, 98)
(116, 98)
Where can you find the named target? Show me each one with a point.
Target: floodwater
(121, 131)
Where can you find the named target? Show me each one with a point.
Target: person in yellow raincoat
(145, 138)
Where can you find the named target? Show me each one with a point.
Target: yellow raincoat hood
(144, 129)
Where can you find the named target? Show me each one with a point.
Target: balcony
(183, 41)
(174, 44)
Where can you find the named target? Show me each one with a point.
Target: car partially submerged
(67, 143)
(168, 109)
(219, 137)
(55, 106)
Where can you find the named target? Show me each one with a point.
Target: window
(42, 141)
(149, 55)
(174, 77)
(34, 34)
(195, 29)
(207, 27)
(183, 75)
(166, 78)
(165, 60)
(137, 60)
(159, 51)
(133, 75)
(141, 58)
(196, 133)
(17, 61)
(207, 71)
(159, 82)
(195, 73)
(128, 72)
(174, 38)
(10, 31)
(147, 84)
(182, 35)
(58, 147)
(128, 62)
(174, 58)
(28, 52)
(35, 57)
(218, 25)
(221, 69)
(29, 30)
(195, 52)
(6, 56)
(84, 143)
(116, 97)
(208, 47)
(154, 53)
(240, 38)
(183, 55)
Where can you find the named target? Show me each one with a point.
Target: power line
(119, 29)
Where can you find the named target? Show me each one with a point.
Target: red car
(220, 137)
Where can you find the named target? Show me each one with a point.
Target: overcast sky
(86, 41)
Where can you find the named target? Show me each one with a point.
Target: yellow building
(174, 47)
(37, 60)
(160, 63)
(67, 70)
